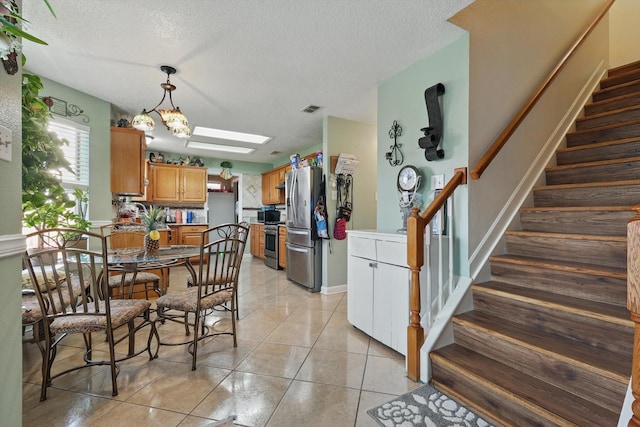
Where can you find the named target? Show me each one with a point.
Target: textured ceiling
(243, 65)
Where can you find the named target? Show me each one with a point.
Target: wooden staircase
(549, 341)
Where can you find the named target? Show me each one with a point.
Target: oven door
(271, 246)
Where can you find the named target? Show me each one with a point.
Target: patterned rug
(425, 406)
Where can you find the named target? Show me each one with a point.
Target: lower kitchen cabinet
(256, 240)
(187, 235)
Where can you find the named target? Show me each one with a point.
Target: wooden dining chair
(71, 285)
(221, 251)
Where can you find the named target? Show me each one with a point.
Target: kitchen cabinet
(173, 183)
(187, 235)
(256, 240)
(146, 193)
(282, 247)
(378, 281)
(270, 180)
(127, 161)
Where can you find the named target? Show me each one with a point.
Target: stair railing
(416, 225)
(417, 222)
(633, 304)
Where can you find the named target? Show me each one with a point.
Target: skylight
(230, 135)
(217, 147)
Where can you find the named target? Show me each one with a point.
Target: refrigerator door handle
(297, 249)
(303, 233)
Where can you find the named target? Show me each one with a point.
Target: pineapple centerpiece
(151, 221)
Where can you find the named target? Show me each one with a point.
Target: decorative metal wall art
(433, 133)
(395, 156)
(61, 108)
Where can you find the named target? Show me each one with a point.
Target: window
(76, 152)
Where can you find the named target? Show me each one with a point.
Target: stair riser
(549, 319)
(593, 252)
(445, 376)
(616, 91)
(611, 195)
(599, 173)
(544, 366)
(612, 223)
(608, 152)
(609, 119)
(628, 100)
(622, 131)
(604, 289)
(620, 79)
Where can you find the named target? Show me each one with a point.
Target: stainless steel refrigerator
(304, 249)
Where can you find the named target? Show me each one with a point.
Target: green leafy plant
(153, 219)
(10, 28)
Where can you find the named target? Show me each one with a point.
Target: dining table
(134, 260)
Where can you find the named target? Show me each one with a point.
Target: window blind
(76, 151)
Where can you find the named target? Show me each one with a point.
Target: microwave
(269, 217)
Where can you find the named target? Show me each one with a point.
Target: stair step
(567, 364)
(604, 220)
(623, 69)
(497, 391)
(610, 104)
(608, 251)
(574, 280)
(620, 77)
(616, 193)
(602, 326)
(612, 132)
(608, 150)
(619, 90)
(606, 118)
(597, 171)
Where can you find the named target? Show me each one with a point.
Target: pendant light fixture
(172, 117)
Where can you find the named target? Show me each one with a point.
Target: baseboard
(330, 290)
(12, 244)
(483, 251)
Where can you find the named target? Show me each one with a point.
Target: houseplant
(151, 221)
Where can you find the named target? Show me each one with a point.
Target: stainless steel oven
(271, 245)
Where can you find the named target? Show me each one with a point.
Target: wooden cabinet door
(282, 247)
(254, 240)
(266, 193)
(194, 185)
(261, 241)
(165, 182)
(277, 195)
(127, 161)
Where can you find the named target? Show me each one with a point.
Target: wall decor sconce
(395, 156)
(62, 108)
(433, 133)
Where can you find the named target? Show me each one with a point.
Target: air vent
(275, 153)
(310, 109)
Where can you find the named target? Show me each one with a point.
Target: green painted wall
(401, 98)
(359, 139)
(99, 113)
(10, 235)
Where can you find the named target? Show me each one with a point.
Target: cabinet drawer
(193, 228)
(364, 248)
(392, 252)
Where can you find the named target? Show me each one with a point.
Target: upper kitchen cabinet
(127, 161)
(272, 192)
(172, 183)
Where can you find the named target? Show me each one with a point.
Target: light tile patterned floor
(298, 363)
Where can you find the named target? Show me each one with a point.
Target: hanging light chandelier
(172, 118)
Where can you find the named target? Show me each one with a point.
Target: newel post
(633, 304)
(415, 259)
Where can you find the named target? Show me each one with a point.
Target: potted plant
(45, 203)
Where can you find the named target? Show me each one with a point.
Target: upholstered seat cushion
(122, 311)
(216, 279)
(141, 277)
(188, 300)
(51, 283)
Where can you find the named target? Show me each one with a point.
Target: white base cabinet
(378, 282)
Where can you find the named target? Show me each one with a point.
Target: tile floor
(298, 363)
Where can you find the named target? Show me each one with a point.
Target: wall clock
(409, 179)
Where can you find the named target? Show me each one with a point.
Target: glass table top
(164, 254)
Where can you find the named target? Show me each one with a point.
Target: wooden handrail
(415, 259)
(504, 136)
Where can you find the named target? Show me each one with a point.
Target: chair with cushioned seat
(221, 251)
(70, 285)
(128, 236)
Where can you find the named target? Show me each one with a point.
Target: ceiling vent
(275, 152)
(310, 109)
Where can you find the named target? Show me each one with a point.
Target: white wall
(624, 32)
